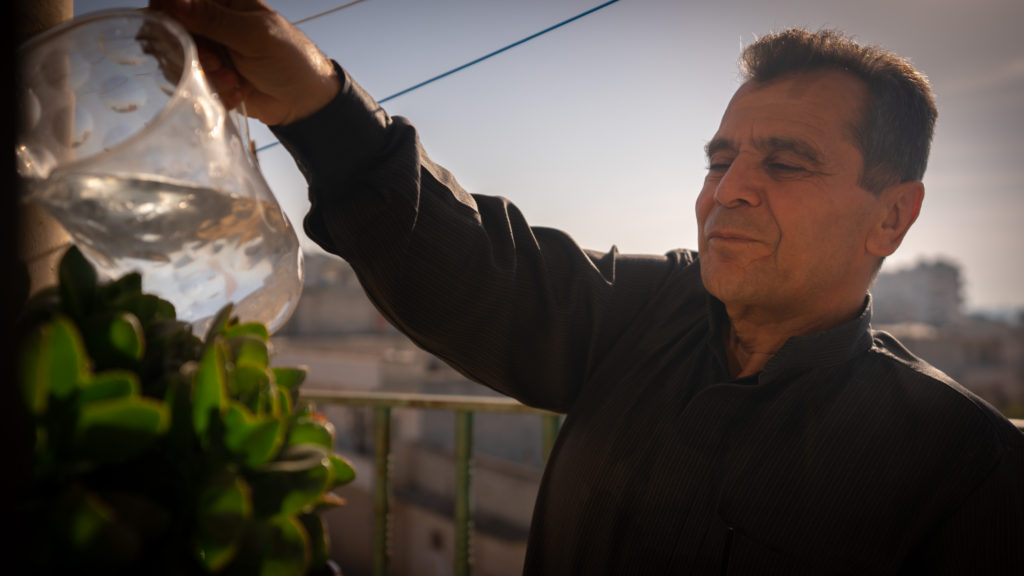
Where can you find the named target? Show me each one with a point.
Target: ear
(900, 205)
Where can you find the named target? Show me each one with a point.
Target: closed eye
(786, 170)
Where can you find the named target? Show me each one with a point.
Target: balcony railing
(464, 407)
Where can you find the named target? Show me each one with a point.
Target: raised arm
(523, 310)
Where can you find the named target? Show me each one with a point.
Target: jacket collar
(800, 353)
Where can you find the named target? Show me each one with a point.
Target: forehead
(820, 108)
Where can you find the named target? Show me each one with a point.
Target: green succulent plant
(159, 452)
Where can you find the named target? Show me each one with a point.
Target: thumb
(211, 19)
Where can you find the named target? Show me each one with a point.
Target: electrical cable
(326, 12)
(467, 64)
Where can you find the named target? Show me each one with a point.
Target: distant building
(922, 306)
(333, 303)
(929, 293)
(984, 356)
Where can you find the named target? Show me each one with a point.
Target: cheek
(703, 206)
(812, 244)
(705, 201)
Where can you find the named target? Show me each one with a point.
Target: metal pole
(463, 472)
(381, 513)
(550, 423)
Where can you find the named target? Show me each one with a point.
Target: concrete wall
(41, 240)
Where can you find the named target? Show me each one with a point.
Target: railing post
(381, 512)
(550, 423)
(463, 473)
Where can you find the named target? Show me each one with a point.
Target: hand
(251, 53)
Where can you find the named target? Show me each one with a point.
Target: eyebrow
(796, 146)
(719, 145)
(799, 147)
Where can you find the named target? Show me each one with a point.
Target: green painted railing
(464, 407)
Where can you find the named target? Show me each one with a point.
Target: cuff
(346, 133)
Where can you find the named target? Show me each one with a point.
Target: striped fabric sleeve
(523, 310)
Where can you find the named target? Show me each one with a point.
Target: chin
(716, 282)
(731, 286)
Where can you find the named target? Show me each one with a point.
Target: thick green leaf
(181, 437)
(220, 322)
(342, 471)
(289, 550)
(284, 402)
(90, 527)
(289, 378)
(77, 283)
(238, 422)
(251, 386)
(172, 349)
(308, 430)
(148, 308)
(87, 518)
(248, 329)
(250, 351)
(254, 387)
(125, 335)
(295, 480)
(130, 283)
(263, 442)
(53, 361)
(69, 362)
(115, 339)
(33, 372)
(270, 400)
(327, 501)
(108, 385)
(117, 429)
(210, 395)
(257, 439)
(319, 542)
(224, 507)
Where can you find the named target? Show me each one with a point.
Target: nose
(741, 184)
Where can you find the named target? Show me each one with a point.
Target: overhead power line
(495, 53)
(326, 12)
(467, 64)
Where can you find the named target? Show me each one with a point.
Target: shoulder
(625, 269)
(915, 427)
(940, 405)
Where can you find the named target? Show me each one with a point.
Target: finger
(230, 89)
(223, 80)
(231, 99)
(209, 58)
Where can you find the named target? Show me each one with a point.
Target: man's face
(781, 217)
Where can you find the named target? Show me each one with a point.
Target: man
(728, 411)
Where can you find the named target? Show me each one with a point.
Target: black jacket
(846, 454)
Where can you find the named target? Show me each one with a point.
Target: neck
(755, 335)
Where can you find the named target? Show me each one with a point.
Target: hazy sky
(598, 127)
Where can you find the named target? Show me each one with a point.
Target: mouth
(728, 236)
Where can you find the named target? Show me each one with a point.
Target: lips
(730, 236)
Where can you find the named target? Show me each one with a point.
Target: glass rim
(189, 62)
